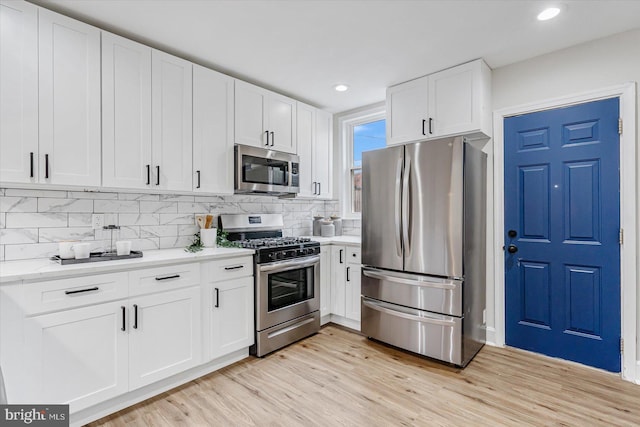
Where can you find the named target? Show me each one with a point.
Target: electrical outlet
(97, 221)
(484, 316)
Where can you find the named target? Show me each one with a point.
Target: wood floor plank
(339, 378)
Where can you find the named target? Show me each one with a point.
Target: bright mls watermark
(34, 415)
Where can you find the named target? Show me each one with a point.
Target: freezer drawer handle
(375, 306)
(374, 275)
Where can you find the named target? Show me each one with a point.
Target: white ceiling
(303, 48)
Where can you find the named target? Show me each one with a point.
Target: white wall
(587, 67)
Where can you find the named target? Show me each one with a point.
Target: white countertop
(45, 269)
(337, 240)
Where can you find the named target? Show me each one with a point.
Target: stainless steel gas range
(287, 279)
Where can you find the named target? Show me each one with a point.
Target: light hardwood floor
(339, 378)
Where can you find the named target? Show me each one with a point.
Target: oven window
(290, 287)
(258, 170)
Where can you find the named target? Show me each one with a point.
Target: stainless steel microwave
(264, 171)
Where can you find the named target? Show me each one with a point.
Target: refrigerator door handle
(424, 317)
(406, 206)
(398, 208)
(402, 280)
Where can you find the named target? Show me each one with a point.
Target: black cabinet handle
(31, 164)
(348, 270)
(341, 255)
(319, 188)
(158, 175)
(267, 133)
(79, 291)
(198, 186)
(273, 138)
(148, 174)
(423, 123)
(135, 316)
(175, 276)
(430, 126)
(124, 319)
(217, 298)
(46, 166)
(235, 267)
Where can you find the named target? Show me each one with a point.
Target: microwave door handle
(406, 206)
(398, 208)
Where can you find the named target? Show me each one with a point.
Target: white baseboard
(347, 323)
(131, 398)
(491, 337)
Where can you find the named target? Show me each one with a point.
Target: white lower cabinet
(231, 316)
(164, 335)
(78, 356)
(345, 285)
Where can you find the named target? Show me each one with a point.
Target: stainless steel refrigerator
(423, 248)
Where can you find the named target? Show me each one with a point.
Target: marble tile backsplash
(33, 221)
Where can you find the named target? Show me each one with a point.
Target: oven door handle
(289, 265)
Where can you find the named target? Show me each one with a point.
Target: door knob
(512, 249)
(512, 233)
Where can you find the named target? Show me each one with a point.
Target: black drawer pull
(217, 298)
(79, 291)
(235, 267)
(124, 319)
(135, 316)
(175, 276)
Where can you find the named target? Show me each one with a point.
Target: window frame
(346, 124)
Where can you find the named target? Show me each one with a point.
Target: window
(367, 136)
(360, 131)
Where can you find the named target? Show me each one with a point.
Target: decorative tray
(96, 257)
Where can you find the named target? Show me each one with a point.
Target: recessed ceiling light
(341, 87)
(548, 13)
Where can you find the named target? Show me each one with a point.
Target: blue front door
(562, 223)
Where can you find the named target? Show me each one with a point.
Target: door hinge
(621, 345)
(621, 236)
(620, 126)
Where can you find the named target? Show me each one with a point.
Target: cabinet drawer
(62, 294)
(160, 279)
(353, 255)
(226, 269)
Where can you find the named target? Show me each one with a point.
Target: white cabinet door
(325, 281)
(212, 131)
(305, 130)
(352, 294)
(250, 125)
(166, 339)
(69, 101)
(232, 307)
(338, 280)
(323, 154)
(126, 113)
(18, 92)
(455, 97)
(407, 115)
(79, 356)
(281, 122)
(171, 95)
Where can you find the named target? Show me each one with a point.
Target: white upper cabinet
(213, 101)
(264, 118)
(407, 114)
(456, 101)
(315, 151)
(459, 100)
(171, 94)
(69, 101)
(19, 92)
(126, 113)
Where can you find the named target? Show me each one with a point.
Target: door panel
(562, 199)
(381, 208)
(433, 211)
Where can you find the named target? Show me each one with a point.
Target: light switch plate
(97, 221)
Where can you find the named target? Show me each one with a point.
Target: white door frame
(628, 212)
